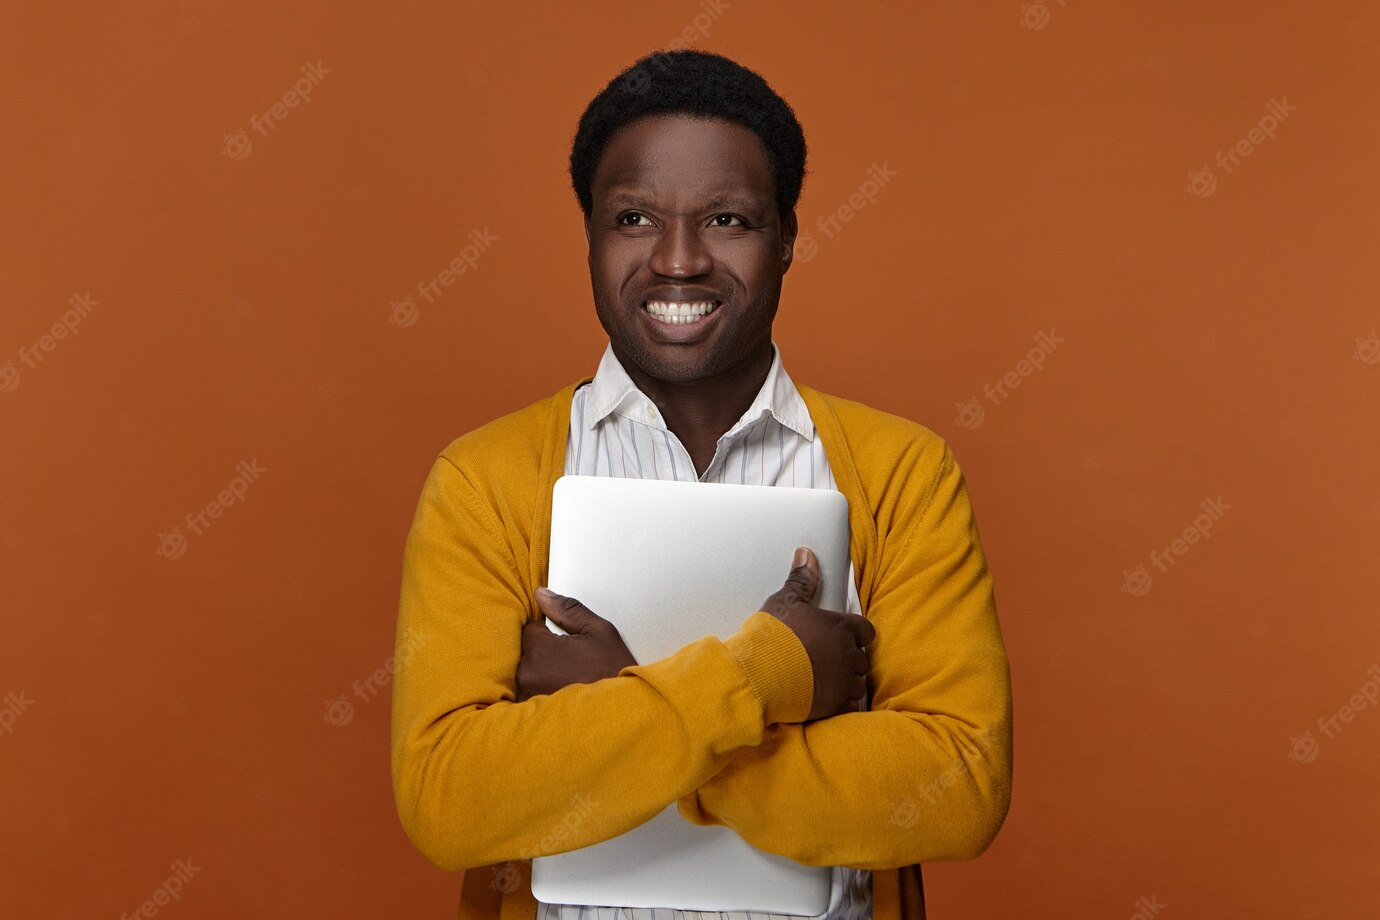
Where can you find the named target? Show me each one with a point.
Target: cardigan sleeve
(479, 778)
(926, 773)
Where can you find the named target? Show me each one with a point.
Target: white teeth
(677, 313)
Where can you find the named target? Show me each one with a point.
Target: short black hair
(697, 83)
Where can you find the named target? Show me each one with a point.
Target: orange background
(1220, 344)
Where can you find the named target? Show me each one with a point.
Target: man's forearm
(483, 784)
(873, 790)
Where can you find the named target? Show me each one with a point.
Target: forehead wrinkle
(632, 198)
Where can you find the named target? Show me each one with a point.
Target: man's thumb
(804, 578)
(568, 613)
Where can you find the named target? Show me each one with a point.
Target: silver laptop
(669, 563)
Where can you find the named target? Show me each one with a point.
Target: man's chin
(680, 365)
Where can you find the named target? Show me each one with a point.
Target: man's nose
(680, 252)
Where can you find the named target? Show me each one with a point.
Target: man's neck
(700, 413)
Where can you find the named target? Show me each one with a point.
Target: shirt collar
(612, 390)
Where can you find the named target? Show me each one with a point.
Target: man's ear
(589, 245)
(789, 229)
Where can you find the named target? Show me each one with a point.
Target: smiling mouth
(680, 313)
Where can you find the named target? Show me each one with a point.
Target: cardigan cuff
(777, 666)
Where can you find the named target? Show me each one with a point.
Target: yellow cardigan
(484, 783)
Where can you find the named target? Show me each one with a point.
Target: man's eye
(626, 219)
(727, 220)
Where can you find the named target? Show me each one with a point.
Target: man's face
(685, 222)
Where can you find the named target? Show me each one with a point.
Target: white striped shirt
(616, 430)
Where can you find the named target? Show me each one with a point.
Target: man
(510, 741)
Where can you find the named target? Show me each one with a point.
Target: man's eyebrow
(627, 200)
(734, 203)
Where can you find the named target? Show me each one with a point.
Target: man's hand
(592, 651)
(835, 642)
